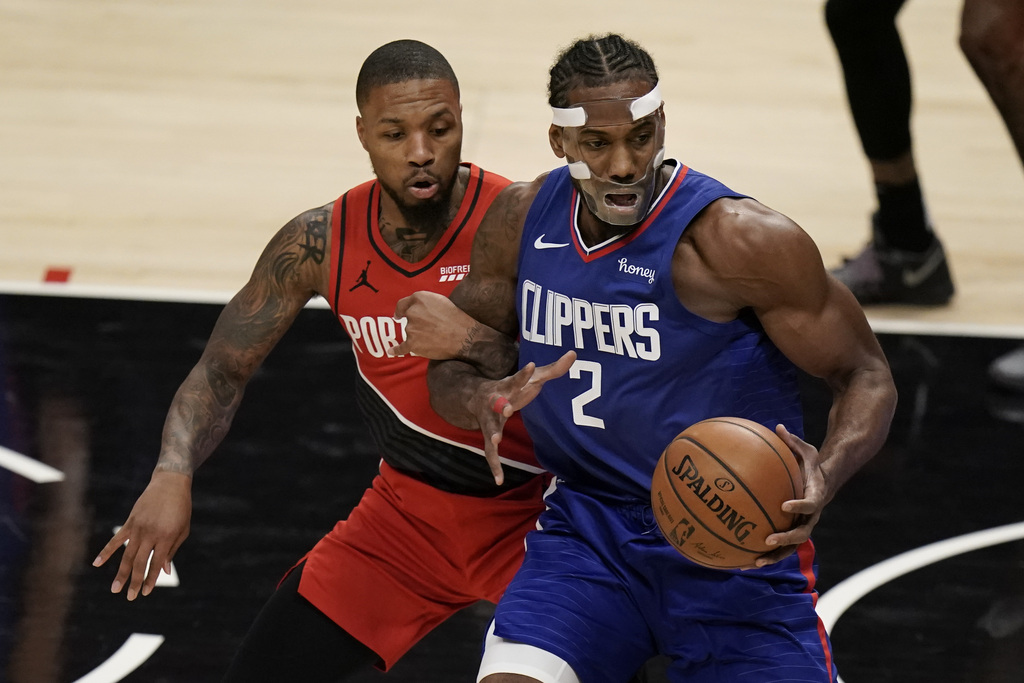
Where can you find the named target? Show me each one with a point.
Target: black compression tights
(293, 641)
(876, 73)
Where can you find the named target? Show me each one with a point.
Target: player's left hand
(807, 509)
(496, 402)
(435, 328)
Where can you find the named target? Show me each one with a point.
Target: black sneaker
(883, 275)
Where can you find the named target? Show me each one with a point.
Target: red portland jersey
(367, 280)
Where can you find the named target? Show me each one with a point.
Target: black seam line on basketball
(668, 473)
(477, 183)
(792, 486)
(664, 531)
(725, 467)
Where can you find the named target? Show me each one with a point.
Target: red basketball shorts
(409, 556)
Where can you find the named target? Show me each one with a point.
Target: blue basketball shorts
(602, 589)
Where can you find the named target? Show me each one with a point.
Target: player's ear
(555, 138)
(361, 132)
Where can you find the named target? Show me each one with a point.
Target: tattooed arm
(466, 394)
(293, 267)
(436, 328)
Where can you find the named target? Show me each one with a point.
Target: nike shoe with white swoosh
(884, 275)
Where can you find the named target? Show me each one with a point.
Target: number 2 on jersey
(576, 372)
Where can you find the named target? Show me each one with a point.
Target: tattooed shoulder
(313, 236)
(513, 215)
(498, 237)
(299, 249)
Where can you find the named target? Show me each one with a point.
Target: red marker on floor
(57, 275)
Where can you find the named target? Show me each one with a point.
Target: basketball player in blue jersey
(645, 297)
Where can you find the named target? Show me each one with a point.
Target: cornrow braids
(596, 61)
(400, 61)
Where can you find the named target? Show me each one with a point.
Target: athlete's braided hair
(596, 61)
(400, 61)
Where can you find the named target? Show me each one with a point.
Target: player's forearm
(494, 354)
(454, 389)
(199, 418)
(862, 411)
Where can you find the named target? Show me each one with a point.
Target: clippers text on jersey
(621, 329)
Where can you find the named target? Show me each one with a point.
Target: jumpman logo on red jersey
(362, 280)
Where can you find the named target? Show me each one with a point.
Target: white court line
(39, 472)
(836, 601)
(107, 292)
(195, 296)
(137, 649)
(946, 329)
(832, 604)
(168, 295)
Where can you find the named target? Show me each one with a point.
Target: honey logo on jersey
(640, 271)
(453, 273)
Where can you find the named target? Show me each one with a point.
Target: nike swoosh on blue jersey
(541, 244)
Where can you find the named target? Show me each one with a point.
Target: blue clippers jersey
(647, 368)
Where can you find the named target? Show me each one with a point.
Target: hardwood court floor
(86, 383)
(160, 145)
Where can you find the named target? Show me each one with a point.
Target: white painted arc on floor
(39, 472)
(840, 597)
(130, 656)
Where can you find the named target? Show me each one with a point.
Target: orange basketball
(718, 490)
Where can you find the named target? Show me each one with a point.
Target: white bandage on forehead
(608, 112)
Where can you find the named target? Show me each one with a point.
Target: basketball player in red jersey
(435, 532)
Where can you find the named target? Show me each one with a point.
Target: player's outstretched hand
(158, 524)
(435, 328)
(807, 509)
(497, 401)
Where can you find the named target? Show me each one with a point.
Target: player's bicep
(284, 279)
(488, 292)
(824, 332)
(807, 313)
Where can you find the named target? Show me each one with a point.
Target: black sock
(901, 218)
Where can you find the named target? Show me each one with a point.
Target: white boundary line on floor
(130, 656)
(31, 469)
(944, 329)
(166, 295)
(197, 296)
(834, 602)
